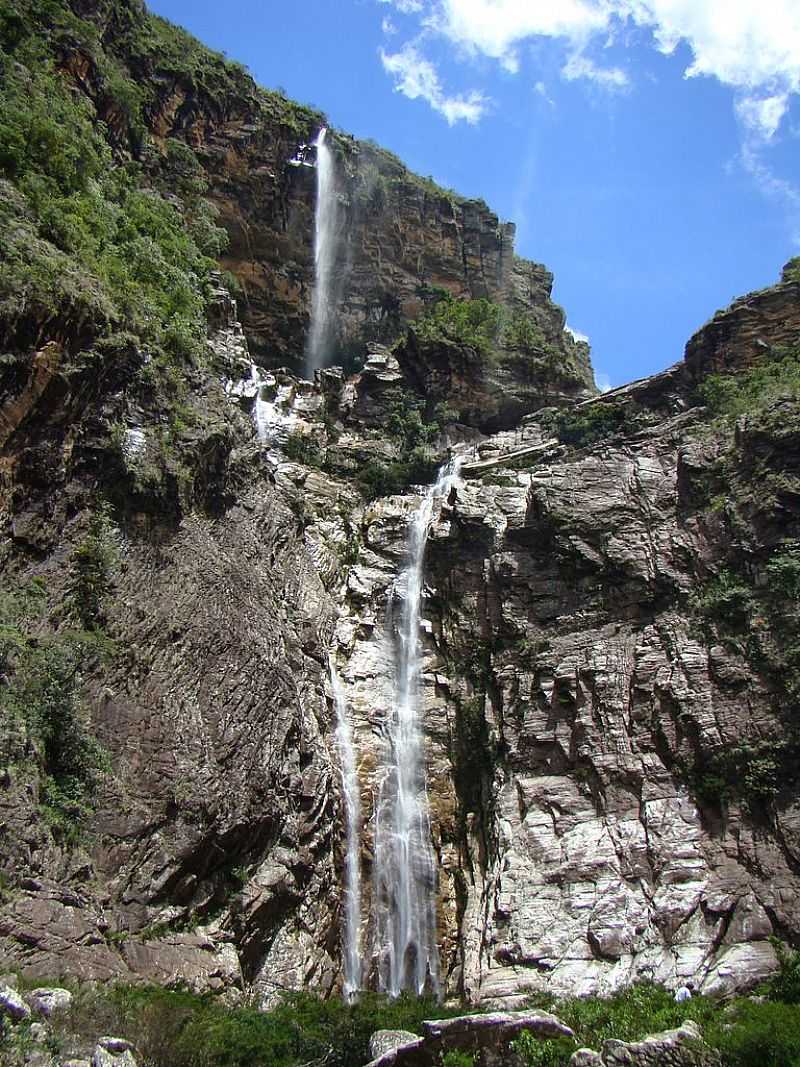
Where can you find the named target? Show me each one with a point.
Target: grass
(746, 1033)
(176, 1028)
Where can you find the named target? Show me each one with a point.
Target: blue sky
(648, 150)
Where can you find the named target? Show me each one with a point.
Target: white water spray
(351, 918)
(405, 866)
(325, 222)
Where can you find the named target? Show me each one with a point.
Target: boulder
(12, 1004)
(46, 1001)
(383, 1041)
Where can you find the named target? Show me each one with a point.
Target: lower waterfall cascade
(404, 888)
(351, 910)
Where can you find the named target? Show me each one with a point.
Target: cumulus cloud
(602, 381)
(417, 78)
(579, 66)
(751, 46)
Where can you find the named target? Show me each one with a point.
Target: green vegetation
(493, 333)
(176, 1028)
(746, 1033)
(85, 242)
(303, 448)
(585, 425)
(412, 428)
(173, 1028)
(473, 324)
(753, 390)
(92, 564)
(43, 731)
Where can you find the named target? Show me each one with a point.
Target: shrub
(642, 1009)
(174, 1028)
(756, 1034)
(473, 324)
(726, 599)
(303, 448)
(92, 563)
(730, 395)
(586, 425)
(785, 985)
(43, 720)
(85, 242)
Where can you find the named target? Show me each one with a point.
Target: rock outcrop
(672, 1048)
(472, 1034)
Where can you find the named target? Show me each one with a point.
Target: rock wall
(570, 691)
(401, 237)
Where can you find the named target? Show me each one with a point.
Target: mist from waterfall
(351, 914)
(405, 882)
(325, 222)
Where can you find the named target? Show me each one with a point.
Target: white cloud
(417, 78)
(579, 66)
(745, 44)
(541, 90)
(496, 27)
(778, 189)
(407, 7)
(388, 26)
(602, 381)
(751, 46)
(761, 116)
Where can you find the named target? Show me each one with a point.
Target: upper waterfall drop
(325, 222)
(351, 915)
(405, 867)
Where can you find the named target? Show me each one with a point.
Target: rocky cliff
(610, 623)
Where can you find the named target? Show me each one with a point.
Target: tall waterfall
(405, 867)
(325, 220)
(351, 924)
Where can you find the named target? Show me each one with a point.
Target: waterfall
(351, 919)
(405, 867)
(273, 419)
(325, 219)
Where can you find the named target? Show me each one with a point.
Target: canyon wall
(609, 617)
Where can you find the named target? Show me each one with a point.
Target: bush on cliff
(44, 732)
(748, 391)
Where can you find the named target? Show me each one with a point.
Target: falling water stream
(351, 916)
(325, 221)
(405, 867)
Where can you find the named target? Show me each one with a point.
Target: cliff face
(401, 240)
(610, 623)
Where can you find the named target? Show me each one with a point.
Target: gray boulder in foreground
(469, 1033)
(670, 1048)
(48, 1000)
(12, 1004)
